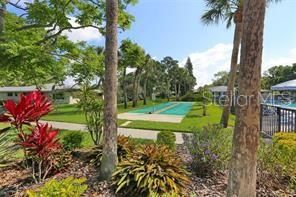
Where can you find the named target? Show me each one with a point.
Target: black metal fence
(277, 119)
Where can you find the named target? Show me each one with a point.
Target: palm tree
(229, 11)
(109, 157)
(242, 173)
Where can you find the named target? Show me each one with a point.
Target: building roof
(288, 85)
(218, 89)
(44, 88)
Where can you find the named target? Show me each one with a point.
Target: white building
(59, 94)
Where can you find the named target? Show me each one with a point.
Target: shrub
(69, 187)
(124, 146)
(167, 138)
(210, 148)
(92, 107)
(151, 169)
(279, 157)
(188, 97)
(72, 140)
(41, 145)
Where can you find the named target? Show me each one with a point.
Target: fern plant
(151, 169)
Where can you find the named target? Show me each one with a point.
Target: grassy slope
(193, 119)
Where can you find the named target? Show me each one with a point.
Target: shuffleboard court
(179, 109)
(152, 109)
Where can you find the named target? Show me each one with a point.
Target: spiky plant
(151, 169)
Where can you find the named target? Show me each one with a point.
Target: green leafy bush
(92, 108)
(188, 97)
(210, 148)
(151, 169)
(69, 187)
(72, 140)
(167, 138)
(279, 157)
(124, 146)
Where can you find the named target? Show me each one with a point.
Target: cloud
(207, 63)
(279, 60)
(88, 34)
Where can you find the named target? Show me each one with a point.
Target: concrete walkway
(134, 133)
(151, 117)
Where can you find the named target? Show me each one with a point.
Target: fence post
(261, 114)
(279, 118)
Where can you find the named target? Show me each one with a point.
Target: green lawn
(194, 119)
(72, 113)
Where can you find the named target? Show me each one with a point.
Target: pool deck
(151, 117)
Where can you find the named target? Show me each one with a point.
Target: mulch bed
(15, 180)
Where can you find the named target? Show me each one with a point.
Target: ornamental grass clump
(151, 169)
(210, 148)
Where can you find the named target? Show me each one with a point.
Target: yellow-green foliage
(167, 138)
(287, 140)
(151, 168)
(69, 187)
(279, 157)
(285, 136)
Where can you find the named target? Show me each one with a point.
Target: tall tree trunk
(135, 87)
(242, 173)
(109, 157)
(2, 18)
(168, 90)
(232, 74)
(145, 91)
(124, 88)
(176, 90)
(179, 90)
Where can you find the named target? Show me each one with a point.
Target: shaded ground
(15, 180)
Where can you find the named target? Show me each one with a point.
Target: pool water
(174, 108)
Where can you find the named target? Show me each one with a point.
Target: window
(9, 94)
(59, 96)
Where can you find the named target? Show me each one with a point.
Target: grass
(194, 119)
(73, 114)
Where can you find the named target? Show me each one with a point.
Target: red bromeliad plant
(30, 108)
(42, 143)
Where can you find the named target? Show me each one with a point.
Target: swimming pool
(169, 108)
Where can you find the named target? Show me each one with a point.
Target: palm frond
(220, 10)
